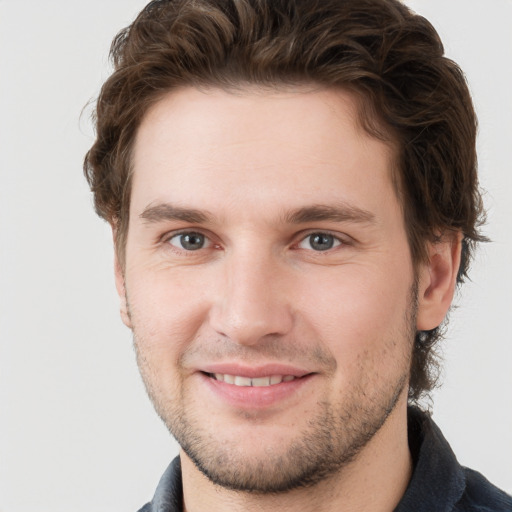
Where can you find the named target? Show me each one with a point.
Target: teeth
(228, 378)
(242, 381)
(256, 382)
(261, 381)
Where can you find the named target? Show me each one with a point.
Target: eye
(189, 241)
(319, 242)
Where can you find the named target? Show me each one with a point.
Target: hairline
(378, 130)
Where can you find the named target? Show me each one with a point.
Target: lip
(253, 372)
(255, 398)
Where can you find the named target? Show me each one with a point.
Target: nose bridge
(252, 302)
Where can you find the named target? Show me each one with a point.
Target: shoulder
(482, 496)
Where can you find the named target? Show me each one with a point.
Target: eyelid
(168, 236)
(182, 231)
(206, 245)
(341, 238)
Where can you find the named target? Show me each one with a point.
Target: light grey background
(76, 429)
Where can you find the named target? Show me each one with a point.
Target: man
(293, 195)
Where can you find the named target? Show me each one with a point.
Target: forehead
(287, 146)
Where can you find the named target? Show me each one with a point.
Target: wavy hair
(410, 95)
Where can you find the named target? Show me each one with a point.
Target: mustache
(272, 349)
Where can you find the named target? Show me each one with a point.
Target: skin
(254, 174)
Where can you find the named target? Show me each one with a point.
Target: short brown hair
(410, 95)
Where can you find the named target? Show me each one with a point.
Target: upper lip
(254, 371)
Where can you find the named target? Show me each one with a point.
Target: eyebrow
(338, 213)
(343, 212)
(165, 211)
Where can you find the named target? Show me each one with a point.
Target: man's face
(269, 282)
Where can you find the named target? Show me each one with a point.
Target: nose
(252, 301)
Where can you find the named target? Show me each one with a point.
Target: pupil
(321, 241)
(192, 241)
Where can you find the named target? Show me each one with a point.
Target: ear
(120, 285)
(437, 281)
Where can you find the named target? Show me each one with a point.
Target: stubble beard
(331, 440)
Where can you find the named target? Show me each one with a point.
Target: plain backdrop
(77, 432)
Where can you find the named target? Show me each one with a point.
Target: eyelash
(167, 240)
(336, 240)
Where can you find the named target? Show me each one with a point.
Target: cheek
(362, 315)
(166, 311)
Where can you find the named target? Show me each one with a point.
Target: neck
(375, 480)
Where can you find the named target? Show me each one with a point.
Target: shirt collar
(438, 480)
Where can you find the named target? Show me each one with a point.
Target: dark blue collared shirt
(438, 484)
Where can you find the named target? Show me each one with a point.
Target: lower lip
(255, 397)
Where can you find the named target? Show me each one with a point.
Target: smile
(255, 388)
(238, 380)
